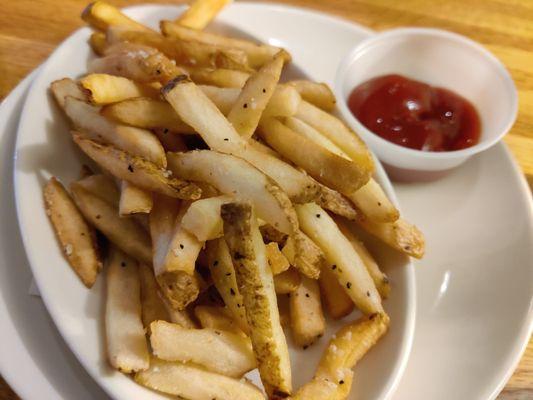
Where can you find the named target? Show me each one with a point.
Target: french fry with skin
(254, 97)
(258, 54)
(277, 262)
(195, 109)
(138, 142)
(105, 88)
(153, 308)
(222, 352)
(125, 233)
(336, 301)
(66, 87)
(127, 349)
(136, 170)
(307, 319)
(133, 200)
(193, 382)
(320, 388)
(257, 287)
(217, 318)
(101, 15)
(335, 202)
(344, 260)
(225, 280)
(287, 281)
(76, 237)
(221, 77)
(200, 13)
(318, 94)
(304, 254)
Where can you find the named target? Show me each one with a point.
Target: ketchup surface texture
(414, 114)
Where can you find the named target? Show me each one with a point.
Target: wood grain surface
(31, 29)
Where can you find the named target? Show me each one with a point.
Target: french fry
(224, 98)
(284, 102)
(85, 171)
(125, 233)
(254, 97)
(225, 280)
(77, 239)
(318, 94)
(304, 254)
(136, 170)
(171, 141)
(257, 287)
(277, 262)
(127, 349)
(219, 318)
(337, 302)
(400, 235)
(307, 319)
(221, 77)
(98, 43)
(138, 142)
(222, 352)
(198, 111)
(201, 12)
(338, 133)
(335, 202)
(271, 234)
(203, 218)
(287, 282)
(326, 167)
(236, 177)
(105, 89)
(133, 200)
(153, 308)
(193, 382)
(258, 54)
(325, 389)
(180, 317)
(102, 186)
(66, 87)
(101, 15)
(350, 344)
(380, 279)
(345, 262)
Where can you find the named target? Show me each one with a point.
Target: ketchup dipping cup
(441, 59)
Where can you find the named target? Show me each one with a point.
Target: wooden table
(31, 29)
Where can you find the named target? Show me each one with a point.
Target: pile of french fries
(215, 188)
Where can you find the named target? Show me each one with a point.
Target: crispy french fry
(193, 382)
(171, 141)
(320, 388)
(284, 102)
(98, 43)
(307, 319)
(337, 302)
(380, 279)
(236, 177)
(335, 202)
(125, 233)
(136, 170)
(153, 308)
(287, 282)
(338, 133)
(101, 15)
(373, 203)
(254, 97)
(304, 254)
(318, 94)
(222, 352)
(77, 239)
(102, 186)
(276, 260)
(217, 318)
(201, 12)
(221, 77)
(133, 200)
(138, 142)
(105, 89)
(271, 234)
(225, 280)
(203, 218)
(66, 87)
(258, 54)
(345, 262)
(400, 235)
(350, 344)
(257, 287)
(127, 349)
(198, 111)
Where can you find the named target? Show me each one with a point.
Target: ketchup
(414, 114)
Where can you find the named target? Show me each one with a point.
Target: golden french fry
(136, 170)
(66, 87)
(304, 254)
(201, 12)
(105, 89)
(76, 238)
(127, 349)
(153, 308)
(307, 319)
(193, 382)
(98, 43)
(277, 261)
(287, 282)
(221, 77)
(284, 102)
(133, 200)
(102, 15)
(335, 299)
(222, 352)
(345, 262)
(318, 94)
(202, 218)
(254, 97)
(320, 388)
(218, 318)
(257, 287)
(335, 202)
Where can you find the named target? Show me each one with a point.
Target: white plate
(465, 347)
(44, 148)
